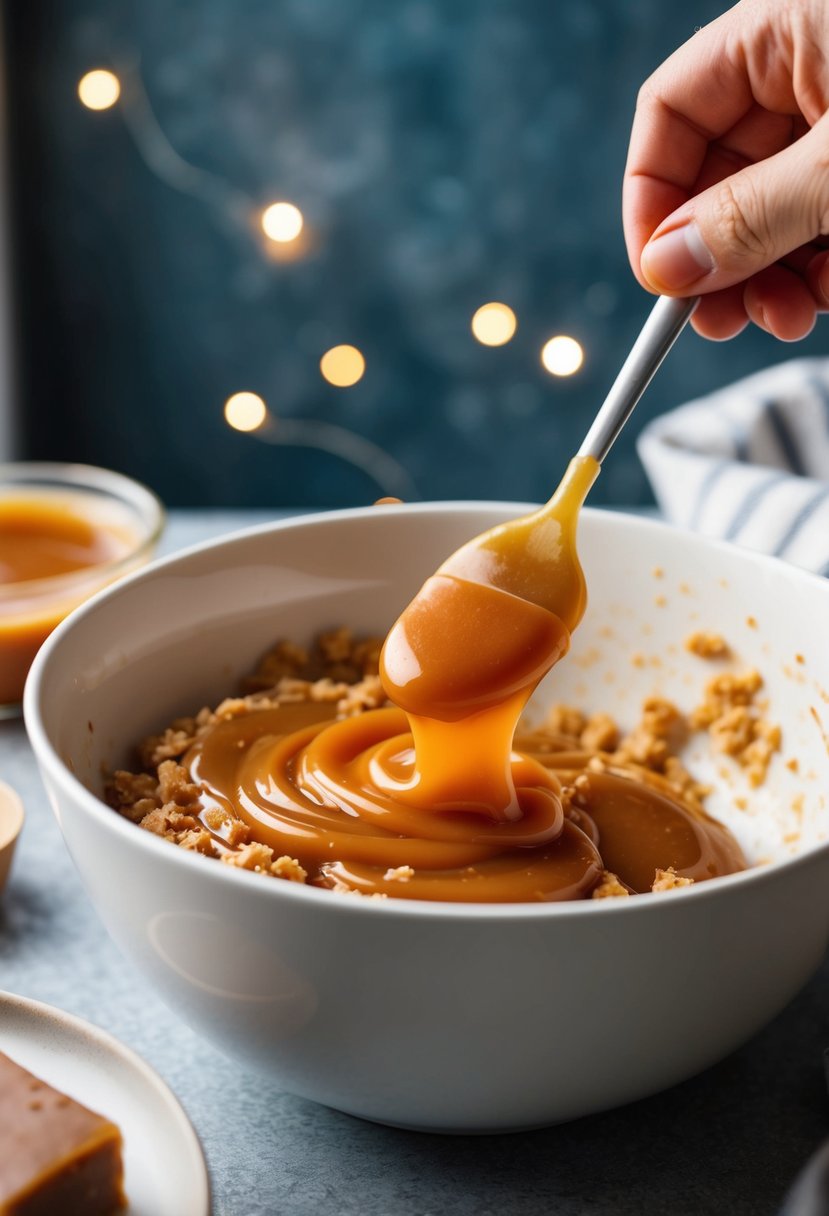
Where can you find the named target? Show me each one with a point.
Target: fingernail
(677, 259)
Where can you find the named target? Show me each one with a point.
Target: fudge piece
(55, 1155)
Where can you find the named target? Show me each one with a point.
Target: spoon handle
(662, 328)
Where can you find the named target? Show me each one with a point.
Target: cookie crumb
(669, 880)
(707, 645)
(289, 869)
(732, 716)
(399, 874)
(609, 887)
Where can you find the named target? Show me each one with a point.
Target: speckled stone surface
(727, 1142)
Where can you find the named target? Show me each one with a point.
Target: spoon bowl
(535, 557)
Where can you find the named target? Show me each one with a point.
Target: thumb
(746, 222)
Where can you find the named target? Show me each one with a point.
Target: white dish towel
(750, 463)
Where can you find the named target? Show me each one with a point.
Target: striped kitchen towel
(750, 463)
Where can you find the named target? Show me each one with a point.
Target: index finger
(693, 99)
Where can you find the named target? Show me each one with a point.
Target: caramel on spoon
(498, 613)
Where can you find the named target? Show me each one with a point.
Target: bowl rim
(49, 760)
(66, 475)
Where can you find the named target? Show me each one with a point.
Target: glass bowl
(66, 531)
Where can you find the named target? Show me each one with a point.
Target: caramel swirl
(337, 795)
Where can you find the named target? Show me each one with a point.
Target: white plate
(164, 1168)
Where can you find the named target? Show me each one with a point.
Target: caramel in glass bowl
(66, 531)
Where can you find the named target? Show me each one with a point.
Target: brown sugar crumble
(399, 874)
(609, 887)
(260, 859)
(669, 880)
(162, 799)
(735, 723)
(707, 645)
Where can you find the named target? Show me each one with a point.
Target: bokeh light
(99, 89)
(342, 366)
(494, 324)
(282, 222)
(245, 411)
(562, 355)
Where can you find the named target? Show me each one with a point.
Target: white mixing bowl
(443, 1016)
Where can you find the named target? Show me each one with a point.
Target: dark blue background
(444, 153)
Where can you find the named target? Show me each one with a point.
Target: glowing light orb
(494, 324)
(562, 356)
(99, 89)
(245, 411)
(282, 222)
(342, 366)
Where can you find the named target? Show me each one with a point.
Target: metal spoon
(535, 557)
(665, 323)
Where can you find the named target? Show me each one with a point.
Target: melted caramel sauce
(435, 783)
(42, 538)
(338, 797)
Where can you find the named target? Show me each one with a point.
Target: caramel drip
(462, 662)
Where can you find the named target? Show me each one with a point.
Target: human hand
(726, 191)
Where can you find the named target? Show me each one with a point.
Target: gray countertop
(727, 1142)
